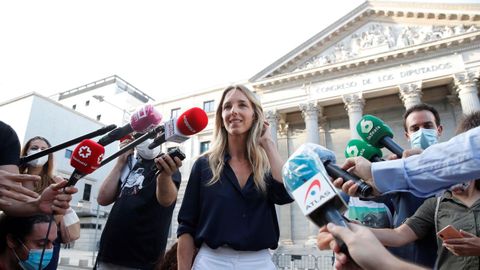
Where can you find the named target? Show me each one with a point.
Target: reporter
(68, 225)
(438, 167)
(17, 200)
(22, 240)
(362, 243)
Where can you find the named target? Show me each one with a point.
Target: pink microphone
(141, 121)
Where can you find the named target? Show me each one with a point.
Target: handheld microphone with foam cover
(306, 179)
(180, 128)
(66, 144)
(377, 133)
(141, 121)
(86, 158)
(328, 159)
(359, 148)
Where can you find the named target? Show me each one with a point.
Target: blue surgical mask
(423, 138)
(33, 260)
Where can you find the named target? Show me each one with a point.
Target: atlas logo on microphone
(313, 193)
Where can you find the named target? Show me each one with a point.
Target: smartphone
(175, 152)
(449, 232)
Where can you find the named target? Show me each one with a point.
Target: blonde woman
(68, 224)
(228, 210)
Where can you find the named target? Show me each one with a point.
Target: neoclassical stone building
(380, 58)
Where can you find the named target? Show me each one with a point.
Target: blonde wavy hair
(256, 155)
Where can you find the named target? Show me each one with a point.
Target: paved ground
(76, 259)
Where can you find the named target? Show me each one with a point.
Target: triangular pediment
(378, 28)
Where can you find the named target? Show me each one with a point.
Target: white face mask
(145, 153)
(39, 162)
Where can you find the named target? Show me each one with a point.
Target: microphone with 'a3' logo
(178, 129)
(307, 181)
(86, 158)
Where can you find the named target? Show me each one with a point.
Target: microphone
(328, 159)
(359, 148)
(149, 135)
(178, 129)
(66, 144)
(375, 132)
(307, 181)
(141, 121)
(86, 158)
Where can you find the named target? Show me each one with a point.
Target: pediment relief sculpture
(374, 38)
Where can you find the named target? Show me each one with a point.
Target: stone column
(354, 104)
(272, 117)
(310, 115)
(310, 112)
(411, 94)
(466, 87)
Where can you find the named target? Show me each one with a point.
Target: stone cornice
(362, 62)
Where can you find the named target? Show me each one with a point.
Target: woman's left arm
(276, 161)
(69, 225)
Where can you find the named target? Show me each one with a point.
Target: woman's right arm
(185, 252)
(397, 237)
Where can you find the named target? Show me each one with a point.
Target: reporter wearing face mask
(422, 129)
(136, 231)
(22, 240)
(68, 224)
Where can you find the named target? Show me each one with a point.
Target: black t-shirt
(137, 228)
(9, 146)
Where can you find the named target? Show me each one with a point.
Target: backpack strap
(435, 220)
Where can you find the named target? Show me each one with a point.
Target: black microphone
(149, 135)
(66, 144)
(328, 159)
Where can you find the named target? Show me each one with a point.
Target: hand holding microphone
(306, 179)
(375, 132)
(328, 159)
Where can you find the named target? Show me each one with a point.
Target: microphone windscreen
(359, 148)
(87, 156)
(372, 130)
(192, 121)
(301, 166)
(145, 119)
(323, 153)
